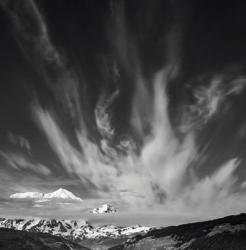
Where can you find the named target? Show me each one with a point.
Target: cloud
(156, 164)
(236, 86)
(102, 118)
(38, 205)
(209, 99)
(161, 174)
(20, 162)
(211, 196)
(87, 161)
(33, 37)
(19, 141)
(141, 106)
(31, 29)
(167, 165)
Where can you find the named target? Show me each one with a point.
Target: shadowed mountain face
(222, 234)
(21, 240)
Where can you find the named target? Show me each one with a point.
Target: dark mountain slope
(227, 233)
(21, 240)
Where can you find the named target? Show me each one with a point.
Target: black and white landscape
(122, 124)
(224, 233)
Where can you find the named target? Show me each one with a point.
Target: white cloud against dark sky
(123, 101)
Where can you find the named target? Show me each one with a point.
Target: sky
(139, 103)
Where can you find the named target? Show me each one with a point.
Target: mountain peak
(61, 193)
(104, 209)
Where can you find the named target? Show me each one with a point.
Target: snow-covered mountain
(105, 208)
(71, 229)
(60, 193)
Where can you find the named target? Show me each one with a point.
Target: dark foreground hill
(227, 233)
(20, 240)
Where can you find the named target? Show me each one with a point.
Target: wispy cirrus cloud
(210, 97)
(161, 174)
(20, 162)
(69, 156)
(33, 37)
(34, 34)
(102, 116)
(19, 141)
(213, 195)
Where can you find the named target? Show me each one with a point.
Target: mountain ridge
(71, 229)
(227, 233)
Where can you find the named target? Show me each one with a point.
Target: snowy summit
(60, 193)
(104, 209)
